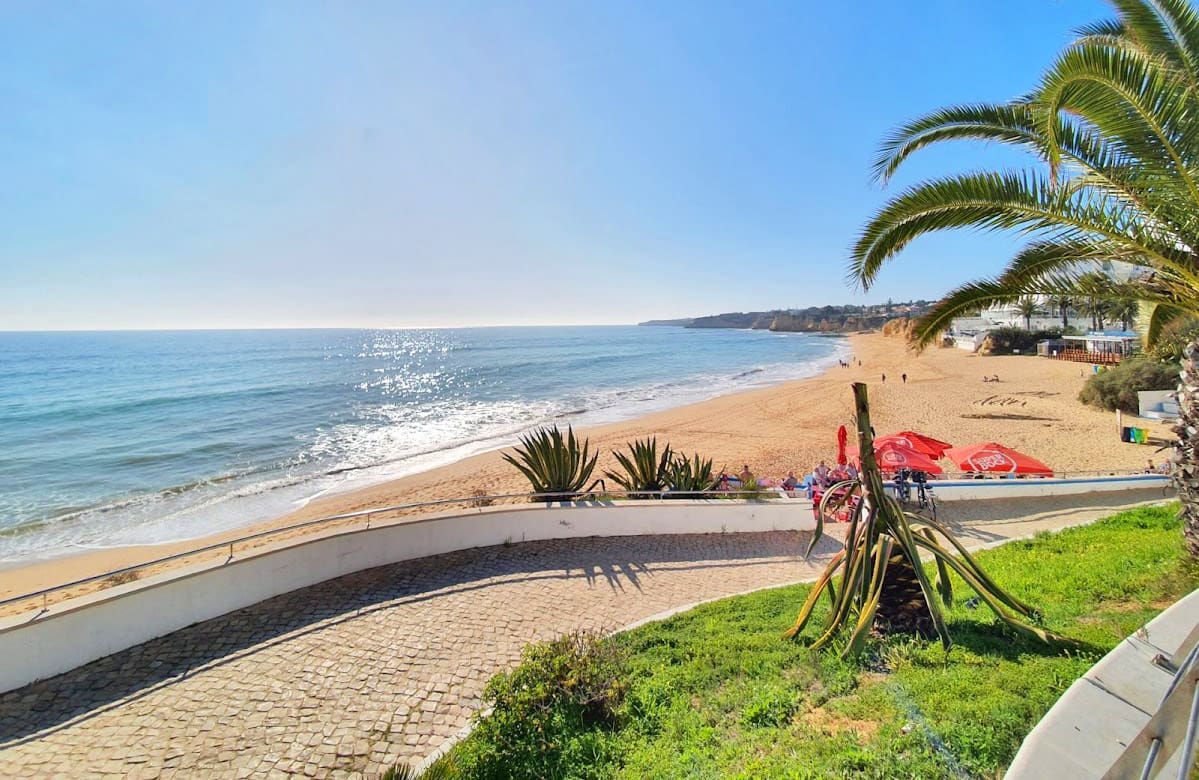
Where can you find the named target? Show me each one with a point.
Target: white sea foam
(380, 442)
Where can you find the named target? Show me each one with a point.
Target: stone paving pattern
(351, 675)
(345, 678)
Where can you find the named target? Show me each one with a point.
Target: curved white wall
(984, 489)
(81, 630)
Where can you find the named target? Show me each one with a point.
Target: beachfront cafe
(1100, 347)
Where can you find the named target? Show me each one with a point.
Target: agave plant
(883, 583)
(555, 465)
(643, 468)
(688, 477)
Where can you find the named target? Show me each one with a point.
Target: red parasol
(990, 456)
(926, 445)
(842, 438)
(892, 457)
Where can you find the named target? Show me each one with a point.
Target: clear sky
(382, 164)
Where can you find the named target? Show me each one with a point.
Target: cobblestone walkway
(345, 678)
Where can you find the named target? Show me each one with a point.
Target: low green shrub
(1008, 341)
(770, 706)
(551, 712)
(1116, 388)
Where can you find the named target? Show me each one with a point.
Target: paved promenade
(347, 677)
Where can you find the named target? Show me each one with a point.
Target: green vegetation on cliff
(814, 319)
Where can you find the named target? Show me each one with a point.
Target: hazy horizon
(196, 167)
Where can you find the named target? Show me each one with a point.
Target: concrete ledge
(1095, 720)
(77, 631)
(981, 489)
(80, 630)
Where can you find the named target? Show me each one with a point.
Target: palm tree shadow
(992, 638)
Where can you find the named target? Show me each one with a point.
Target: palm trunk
(902, 608)
(1185, 461)
(1065, 319)
(901, 605)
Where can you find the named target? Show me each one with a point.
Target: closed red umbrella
(934, 448)
(994, 457)
(892, 457)
(842, 438)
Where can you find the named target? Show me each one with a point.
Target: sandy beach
(788, 427)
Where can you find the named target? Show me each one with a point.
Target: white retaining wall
(1100, 715)
(983, 489)
(81, 630)
(77, 631)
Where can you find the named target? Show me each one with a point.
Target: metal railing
(598, 496)
(1175, 724)
(475, 501)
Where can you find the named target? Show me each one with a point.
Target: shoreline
(177, 514)
(774, 429)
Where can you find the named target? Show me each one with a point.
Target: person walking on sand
(884, 379)
(904, 377)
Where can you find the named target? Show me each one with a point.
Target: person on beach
(884, 379)
(723, 482)
(821, 473)
(904, 377)
(790, 483)
(747, 478)
(850, 471)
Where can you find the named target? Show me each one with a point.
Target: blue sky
(390, 164)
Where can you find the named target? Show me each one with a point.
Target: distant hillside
(676, 323)
(758, 320)
(814, 319)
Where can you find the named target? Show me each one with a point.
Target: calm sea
(135, 437)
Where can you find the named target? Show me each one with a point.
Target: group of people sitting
(820, 477)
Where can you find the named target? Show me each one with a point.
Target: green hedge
(1116, 387)
(1007, 341)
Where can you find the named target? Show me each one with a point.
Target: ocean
(118, 438)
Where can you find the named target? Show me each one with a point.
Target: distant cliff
(815, 319)
(757, 320)
(845, 323)
(676, 323)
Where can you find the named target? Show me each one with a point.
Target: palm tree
(1027, 307)
(1115, 181)
(1094, 287)
(1125, 309)
(1062, 305)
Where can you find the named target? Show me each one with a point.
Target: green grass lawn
(716, 692)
